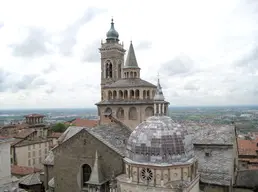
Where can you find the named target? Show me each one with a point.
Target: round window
(146, 174)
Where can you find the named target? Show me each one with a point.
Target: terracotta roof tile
(84, 123)
(247, 147)
(22, 170)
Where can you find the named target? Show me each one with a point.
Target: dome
(112, 34)
(159, 140)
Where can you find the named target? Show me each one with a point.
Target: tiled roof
(125, 83)
(23, 133)
(247, 147)
(24, 142)
(55, 135)
(215, 135)
(31, 179)
(84, 123)
(247, 178)
(69, 132)
(115, 136)
(22, 170)
(34, 115)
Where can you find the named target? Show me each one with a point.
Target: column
(155, 109)
(163, 109)
(159, 109)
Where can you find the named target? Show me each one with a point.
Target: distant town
(247, 116)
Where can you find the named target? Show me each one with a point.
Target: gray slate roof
(247, 178)
(114, 136)
(32, 179)
(223, 134)
(133, 82)
(127, 102)
(49, 159)
(131, 61)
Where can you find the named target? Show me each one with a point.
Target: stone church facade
(124, 95)
(136, 147)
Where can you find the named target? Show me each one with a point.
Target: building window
(45, 150)
(40, 152)
(29, 163)
(147, 174)
(86, 171)
(29, 147)
(207, 154)
(34, 146)
(28, 154)
(34, 161)
(33, 153)
(40, 160)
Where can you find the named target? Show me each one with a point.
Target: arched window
(109, 69)
(131, 74)
(149, 111)
(135, 74)
(110, 95)
(132, 94)
(137, 93)
(86, 171)
(120, 113)
(119, 71)
(108, 110)
(121, 94)
(132, 113)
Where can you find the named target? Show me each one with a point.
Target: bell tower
(112, 57)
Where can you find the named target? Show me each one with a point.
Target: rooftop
(83, 123)
(215, 135)
(22, 170)
(159, 139)
(247, 147)
(133, 82)
(34, 115)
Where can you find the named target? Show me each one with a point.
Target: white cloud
(205, 51)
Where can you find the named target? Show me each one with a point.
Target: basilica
(136, 147)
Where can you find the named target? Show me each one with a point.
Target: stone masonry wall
(80, 150)
(217, 167)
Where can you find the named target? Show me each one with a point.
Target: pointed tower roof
(159, 93)
(131, 61)
(96, 176)
(112, 34)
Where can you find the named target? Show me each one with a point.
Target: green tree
(59, 127)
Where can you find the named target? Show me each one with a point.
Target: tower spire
(131, 61)
(160, 105)
(96, 176)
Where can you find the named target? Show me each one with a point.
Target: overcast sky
(205, 51)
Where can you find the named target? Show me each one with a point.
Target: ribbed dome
(112, 34)
(159, 140)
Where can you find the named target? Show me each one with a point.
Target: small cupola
(112, 34)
